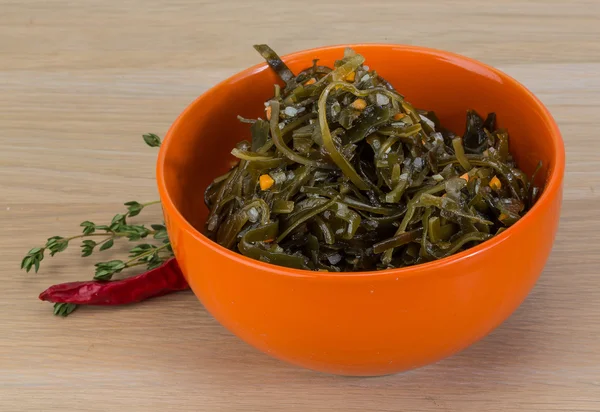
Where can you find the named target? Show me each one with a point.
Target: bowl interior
(198, 146)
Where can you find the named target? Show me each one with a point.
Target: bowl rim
(552, 187)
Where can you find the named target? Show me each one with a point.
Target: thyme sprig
(100, 237)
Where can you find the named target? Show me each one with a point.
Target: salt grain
(291, 111)
(381, 99)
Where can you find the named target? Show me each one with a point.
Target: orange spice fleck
(265, 182)
(359, 104)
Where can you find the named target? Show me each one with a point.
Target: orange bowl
(365, 323)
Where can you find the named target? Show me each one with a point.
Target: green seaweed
(346, 175)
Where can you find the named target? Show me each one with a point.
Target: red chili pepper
(160, 281)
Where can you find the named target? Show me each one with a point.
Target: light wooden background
(80, 81)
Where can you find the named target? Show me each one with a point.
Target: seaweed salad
(343, 174)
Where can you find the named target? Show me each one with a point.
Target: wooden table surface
(81, 81)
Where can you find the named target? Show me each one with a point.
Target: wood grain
(81, 81)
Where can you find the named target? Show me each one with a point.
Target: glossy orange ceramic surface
(369, 323)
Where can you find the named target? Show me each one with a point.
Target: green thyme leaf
(88, 227)
(34, 251)
(105, 270)
(87, 247)
(134, 208)
(56, 244)
(139, 249)
(107, 245)
(152, 140)
(33, 259)
(161, 234)
(64, 309)
(26, 262)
